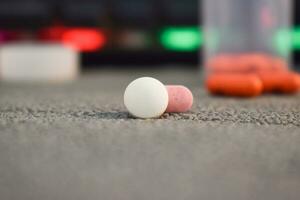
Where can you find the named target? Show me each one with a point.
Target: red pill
(246, 63)
(239, 85)
(225, 63)
(180, 99)
(281, 82)
(279, 64)
(255, 62)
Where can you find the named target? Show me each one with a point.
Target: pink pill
(180, 99)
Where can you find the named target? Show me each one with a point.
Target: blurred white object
(38, 62)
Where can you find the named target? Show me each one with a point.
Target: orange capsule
(279, 64)
(223, 63)
(281, 82)
(244, 63)
(270, 83)
(239, 85)
(255, 62)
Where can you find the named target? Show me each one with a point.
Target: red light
(84, 39)
(53, 33)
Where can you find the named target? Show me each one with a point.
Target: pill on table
(281, 82)
(279, 64)
(240, 85)
(270, 84)
(180, 99)
(245, 63)
(146, 98)
(255, 62)
(291, 83)
(219, 63)
(224, 64)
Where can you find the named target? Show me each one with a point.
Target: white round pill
(146, 98)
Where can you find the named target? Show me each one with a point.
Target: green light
(283, 42)
(181, 38)
(296, 38)
(191, 38)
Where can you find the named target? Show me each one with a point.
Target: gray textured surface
(77, 142)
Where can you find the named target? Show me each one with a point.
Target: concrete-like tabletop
(76, 141)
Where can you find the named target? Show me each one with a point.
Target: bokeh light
(181, 38)
(84, 39)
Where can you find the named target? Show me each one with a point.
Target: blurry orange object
(280, 82)
(255, 62)
(245, 63)
(236, 75)
(279, 64)
(84, 39)
(226, 64)
(240, 85)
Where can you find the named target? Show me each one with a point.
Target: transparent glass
(247, 35)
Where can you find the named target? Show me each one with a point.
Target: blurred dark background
(115, 32)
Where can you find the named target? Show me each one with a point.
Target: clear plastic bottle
(247, 35)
